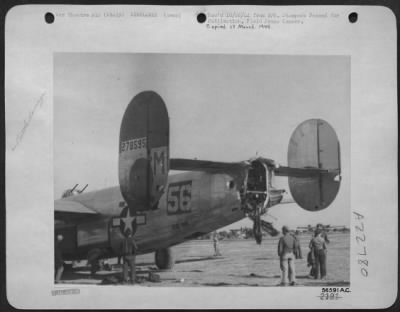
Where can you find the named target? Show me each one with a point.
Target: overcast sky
(221, 107)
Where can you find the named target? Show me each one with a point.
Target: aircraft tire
(257, 234)
(164, 259)
(68, 266)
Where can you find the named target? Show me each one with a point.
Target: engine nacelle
(144, 151)
(314, 144)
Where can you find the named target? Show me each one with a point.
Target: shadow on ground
(197, 259)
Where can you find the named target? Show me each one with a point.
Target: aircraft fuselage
(193, 204)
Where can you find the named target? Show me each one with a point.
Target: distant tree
(223, 234)
(248, 232)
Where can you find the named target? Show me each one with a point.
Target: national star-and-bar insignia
(128, 221)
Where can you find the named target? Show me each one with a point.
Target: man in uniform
(94, 261)
(286, 248)
(320, 229)
(215, 240)
(129, 249)
(58, 259)
(319, 251)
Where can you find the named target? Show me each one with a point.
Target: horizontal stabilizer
(302, 172)
(206, 165)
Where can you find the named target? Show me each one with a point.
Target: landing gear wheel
(257, 233)
(164, 259)
(68, 266)
(257, 226)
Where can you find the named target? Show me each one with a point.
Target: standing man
(129, 249)
(297, 251)
(320, 229)
(216, 247)
(319, 252)
(58, 259)
(286, 247)
(318, 247)
(94, 261)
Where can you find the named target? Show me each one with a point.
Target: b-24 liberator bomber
(161, 210)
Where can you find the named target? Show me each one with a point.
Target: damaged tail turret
(313, 171)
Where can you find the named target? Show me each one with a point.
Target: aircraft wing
(69, 206)
(207, 166)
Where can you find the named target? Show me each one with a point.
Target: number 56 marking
(179, 197)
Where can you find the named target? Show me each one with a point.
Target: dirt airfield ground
(243, 263)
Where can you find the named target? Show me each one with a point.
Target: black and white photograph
(201, 170)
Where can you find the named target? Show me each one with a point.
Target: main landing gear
(256, 198)
(164, 259)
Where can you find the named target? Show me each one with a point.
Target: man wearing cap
(58, 259)
(286, 247)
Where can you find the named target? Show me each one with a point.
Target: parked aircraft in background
(326, 228)
(163, 210)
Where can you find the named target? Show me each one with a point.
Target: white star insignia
(128, 219)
